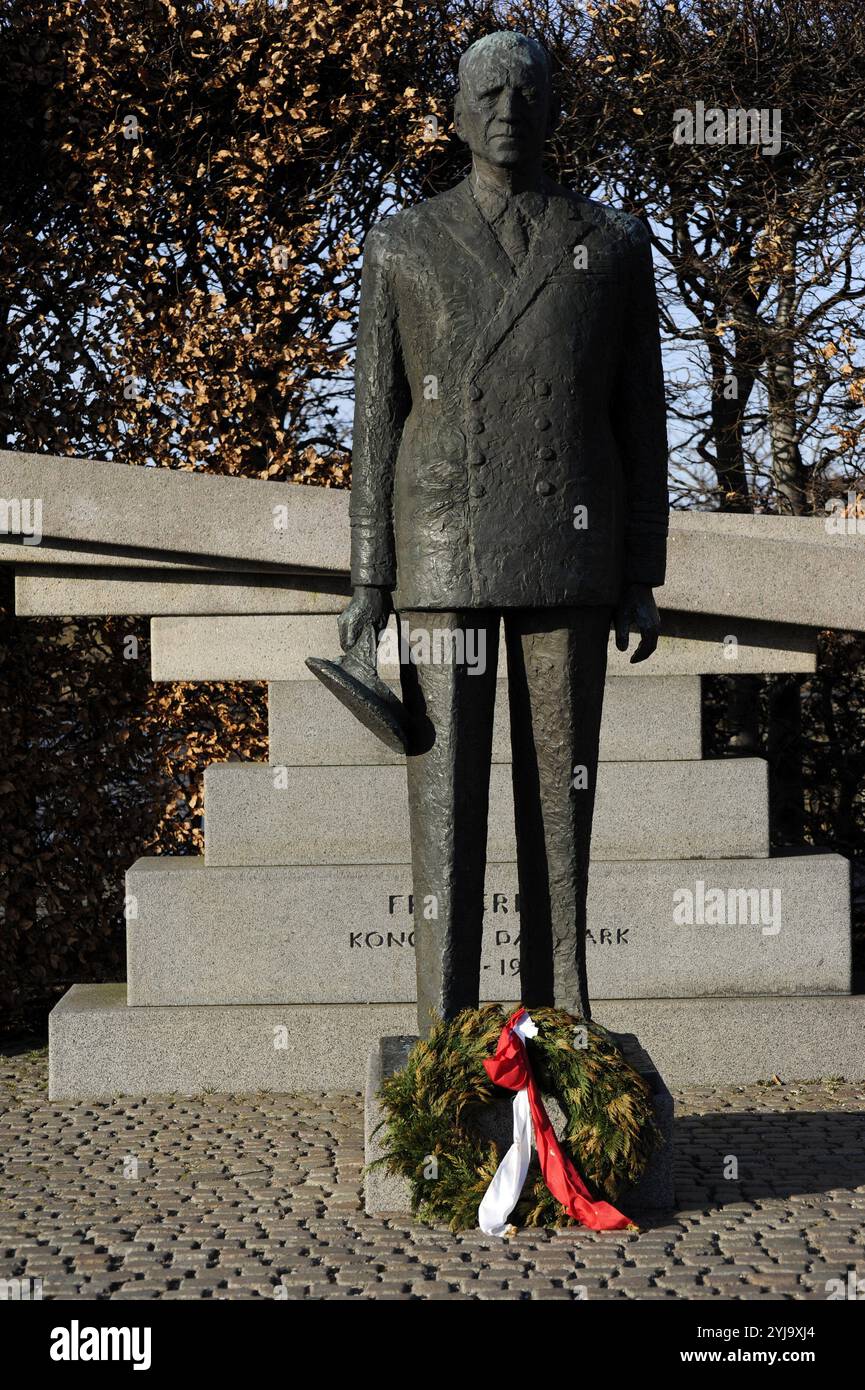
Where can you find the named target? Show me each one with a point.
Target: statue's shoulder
(412, 225)
(612, 223)
(620, 224)
(616, 224)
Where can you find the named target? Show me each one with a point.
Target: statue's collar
(492, 198)
(510, 289)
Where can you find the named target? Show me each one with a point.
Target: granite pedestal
(290, 932)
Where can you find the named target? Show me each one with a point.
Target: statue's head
(503, 106)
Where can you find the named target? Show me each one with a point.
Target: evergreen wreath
(432, 1108)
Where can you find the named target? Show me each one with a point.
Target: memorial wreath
(434, 1122)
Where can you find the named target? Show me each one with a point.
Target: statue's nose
(507, 106)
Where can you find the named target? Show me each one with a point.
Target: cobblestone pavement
(259, 1196)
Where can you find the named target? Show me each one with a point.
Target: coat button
(548, 453)
(453, 444)
(475, 393)
(541, 388)
(476, 427)
(476, 490)
(480, 459)
(542, 422)
(543, 488)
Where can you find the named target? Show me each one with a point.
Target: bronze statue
(510, 462)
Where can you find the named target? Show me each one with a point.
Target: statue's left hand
(637, 609)
(370, 607)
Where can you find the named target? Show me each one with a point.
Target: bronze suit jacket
(510, 441)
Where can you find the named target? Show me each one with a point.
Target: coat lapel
(560, 228)
(472, 232)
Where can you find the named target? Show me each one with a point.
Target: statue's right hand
(369, 607)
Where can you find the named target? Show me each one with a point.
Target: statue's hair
(505, 41)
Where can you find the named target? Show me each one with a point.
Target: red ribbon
(510, 1068)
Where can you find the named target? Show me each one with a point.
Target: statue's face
(502, 108)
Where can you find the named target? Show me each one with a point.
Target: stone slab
(344, 934)
(274, 647)
(718, 564)
(71, 592)
(759, 526)
(786, 569)
(716, 1041)
(644, 721)
(774, 568)
(384, 1192)
(257, 814)
(100, 1048)
(707, 644)
(179, 511)
(88, 558)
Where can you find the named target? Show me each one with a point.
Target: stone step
(770, 569)
(271, 647)
(100, 1048)
(274, 647)
(647, 720)
(333, 935)
(111, 590)
(258, 814)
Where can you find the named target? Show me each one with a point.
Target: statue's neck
(506, 180)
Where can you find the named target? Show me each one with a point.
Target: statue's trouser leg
(448, 795)
(557, 661)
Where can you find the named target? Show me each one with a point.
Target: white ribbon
(504, 1191)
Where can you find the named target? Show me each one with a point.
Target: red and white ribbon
(510, 1067)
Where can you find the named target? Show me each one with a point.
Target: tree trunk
(727, 414)
(787, 467)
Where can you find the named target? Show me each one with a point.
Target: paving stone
(70, 1223)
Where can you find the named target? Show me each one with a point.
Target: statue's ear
(458, 115)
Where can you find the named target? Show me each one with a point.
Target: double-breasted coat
(509, 440)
